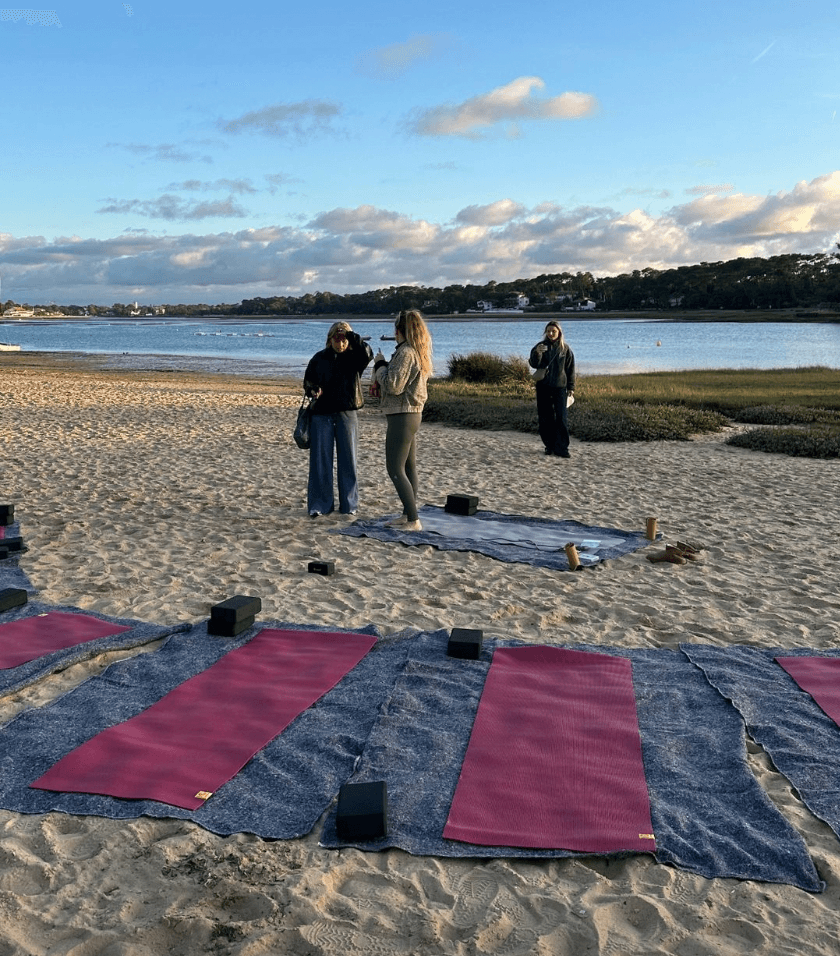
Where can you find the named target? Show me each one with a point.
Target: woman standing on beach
(553, 357)
(333, 380)
(403, 386)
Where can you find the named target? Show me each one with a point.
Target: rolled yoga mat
(555, 757)
(184, 747)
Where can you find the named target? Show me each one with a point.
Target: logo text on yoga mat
(646, 836)
(203, 795)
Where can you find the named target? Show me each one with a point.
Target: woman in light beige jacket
(402, 382)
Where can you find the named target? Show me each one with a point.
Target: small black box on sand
(12, 544)
(321, 567)
(461, 504)
(6, 511)
(362, 811)
(12, 597)
(224, 629)
(236, 609)
(465, 643)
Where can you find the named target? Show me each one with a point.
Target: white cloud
(176, 209)
(303, 119)
(512, 103)
(393, 61)
(200, 185)
(493, 214)
(705, 190)
(163, 152)
(355, 249)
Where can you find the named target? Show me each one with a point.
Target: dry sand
(156, 495)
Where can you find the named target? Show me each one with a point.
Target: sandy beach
(154, 496)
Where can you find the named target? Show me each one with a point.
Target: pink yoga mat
(819, 677)
(25, 640)
(184, 747)
(555, 758)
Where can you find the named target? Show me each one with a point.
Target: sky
(178, 151)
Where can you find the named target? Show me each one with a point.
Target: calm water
(284, 346)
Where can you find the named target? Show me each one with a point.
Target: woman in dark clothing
(333, 379)
(554, 389)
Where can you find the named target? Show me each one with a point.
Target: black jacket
(337, 375)
(560, 369)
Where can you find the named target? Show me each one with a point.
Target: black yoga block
(236, 609)
(12, 597)
(321, 567)
(461, 504)
(4, 553)
(11, 544)
(7, 511)
(229, 628)
(465, 643)
(362, 811)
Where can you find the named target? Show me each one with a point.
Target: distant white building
(585, 305)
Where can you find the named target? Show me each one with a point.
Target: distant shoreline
(652, 315)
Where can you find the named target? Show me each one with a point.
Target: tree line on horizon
(779, 282)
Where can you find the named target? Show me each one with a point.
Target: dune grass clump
(815, 441)
(485, 391)
(626, 421)
(785, 415)
(487, 369)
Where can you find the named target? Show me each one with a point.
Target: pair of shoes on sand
(679, 553)
(403, 524)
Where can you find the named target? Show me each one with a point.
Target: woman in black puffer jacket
(557, 360)
(333, 379)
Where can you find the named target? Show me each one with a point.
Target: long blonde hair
(561, 342)
(411, 326)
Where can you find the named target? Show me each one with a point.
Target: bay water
(282, 347)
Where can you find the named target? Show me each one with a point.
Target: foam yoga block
(12, 597)
(321, 567)
(461, 504)
(465, 643)
(362, 811)
(233, 616)
(221, 629)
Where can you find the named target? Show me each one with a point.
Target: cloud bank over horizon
(346, 250)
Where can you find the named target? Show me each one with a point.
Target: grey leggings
(400, 458)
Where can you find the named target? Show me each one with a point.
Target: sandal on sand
(671, 556)
(694, 548)
(682, 552)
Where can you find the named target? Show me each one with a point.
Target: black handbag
(304, 417)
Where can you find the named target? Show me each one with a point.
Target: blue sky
(208, 152)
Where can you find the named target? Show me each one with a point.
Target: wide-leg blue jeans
(333, 435)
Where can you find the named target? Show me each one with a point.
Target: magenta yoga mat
(555, 758)
(184, 747)
(33, 637)
(819, 677)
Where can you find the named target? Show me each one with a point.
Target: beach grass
(798, 410)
